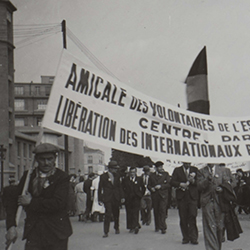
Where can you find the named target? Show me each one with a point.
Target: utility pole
(66, 138)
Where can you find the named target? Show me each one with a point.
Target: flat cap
(159, 163)
(46, 148)
(113, 164)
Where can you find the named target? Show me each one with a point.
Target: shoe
(185, 241)
(136, 230)
(105, 235)
(163, 231)
(131, 230)
(147, 223)
(117, 231)
(194, 242)
(156, 230)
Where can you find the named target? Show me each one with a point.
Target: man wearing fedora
(47, 225)
(110, 194)
(159, 185)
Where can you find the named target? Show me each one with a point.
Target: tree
(125, 159)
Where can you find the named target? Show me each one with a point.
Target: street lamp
(2, 158)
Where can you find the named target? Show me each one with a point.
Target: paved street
(88, 236)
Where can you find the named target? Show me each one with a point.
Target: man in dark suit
(110, 194)
(146, 201)
(133, 190)
(184, 179)
(159, 184)
(47, 224)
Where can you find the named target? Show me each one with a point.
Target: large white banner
(88, 104)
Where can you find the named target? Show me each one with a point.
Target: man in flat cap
(159, 185)
(47, 225)
(110, 194)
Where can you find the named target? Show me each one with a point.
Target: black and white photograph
(124, 124)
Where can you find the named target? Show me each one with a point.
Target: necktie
(111, 176)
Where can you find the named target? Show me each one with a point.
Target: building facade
(7, 132)
(30, 104)
(22, 107)
(93, 160)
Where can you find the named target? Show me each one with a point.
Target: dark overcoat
(108, 191)
(48, 210)
(179, 176)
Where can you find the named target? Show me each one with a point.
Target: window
(30, 151)
(51, 79)
(18, 149)
(39, 121)
(37, 90)
(90, 169)
(47, 91)
(19, 104)
(19, 122)
(10, 64)
(19, 90)
(100, 160)
(24, 150)
(19, 172)
(9, 16)
(41, 104)
(90, 159)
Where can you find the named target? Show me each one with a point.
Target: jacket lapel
(183, 174)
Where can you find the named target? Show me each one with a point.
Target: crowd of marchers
(99, 197)
(212, 188)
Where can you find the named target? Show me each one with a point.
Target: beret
(113, 164)
(46, 148)
(159, 163)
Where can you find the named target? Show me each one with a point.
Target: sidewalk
(88, 236)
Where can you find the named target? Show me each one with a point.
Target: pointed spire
(199, 66)
(197, 88)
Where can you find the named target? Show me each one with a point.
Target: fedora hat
(113, 164)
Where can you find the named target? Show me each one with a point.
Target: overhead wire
(32, 31)
(88, 53)
(19, 47)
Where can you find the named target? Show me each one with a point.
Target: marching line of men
(47, 225)
(210, 188)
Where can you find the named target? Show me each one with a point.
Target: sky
(148, 45)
